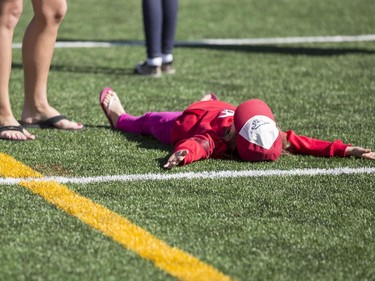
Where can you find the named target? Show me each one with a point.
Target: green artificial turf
(255, 228)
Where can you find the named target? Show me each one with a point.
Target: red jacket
(203, 125)
(201, 129)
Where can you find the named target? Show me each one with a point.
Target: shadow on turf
(146, 142)
(263, 49)
(278, 49)
(309, 51)
(86, 69)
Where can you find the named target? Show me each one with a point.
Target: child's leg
(156, 124)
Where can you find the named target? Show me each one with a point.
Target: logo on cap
(260, 130)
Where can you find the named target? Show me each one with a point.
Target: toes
(68, 125)
(11, 135)
(28, 135)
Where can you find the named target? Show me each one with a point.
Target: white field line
(220, 42)
(193, 175)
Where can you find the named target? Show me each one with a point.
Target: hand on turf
(360, 152)
(176, 158)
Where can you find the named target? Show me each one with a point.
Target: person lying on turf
(211, 128)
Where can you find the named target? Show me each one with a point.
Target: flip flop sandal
(11, 128)
(46, 124)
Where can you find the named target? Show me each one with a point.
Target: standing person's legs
(37, 51)
(152, 23)
(170, 10)
(10, 13)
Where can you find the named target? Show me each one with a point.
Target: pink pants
(156, 124)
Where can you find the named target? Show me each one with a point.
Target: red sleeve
(199, 147)
(311, 146)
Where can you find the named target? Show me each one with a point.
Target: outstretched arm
(176, 158)
(360, 152)
(311, 146)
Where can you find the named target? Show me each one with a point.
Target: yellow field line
(172, 260)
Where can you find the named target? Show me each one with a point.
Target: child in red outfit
(214, 129)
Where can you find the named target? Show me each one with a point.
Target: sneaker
(148, 70)
(168, 68)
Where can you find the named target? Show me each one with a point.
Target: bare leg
(37, 51)
(10, 12)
